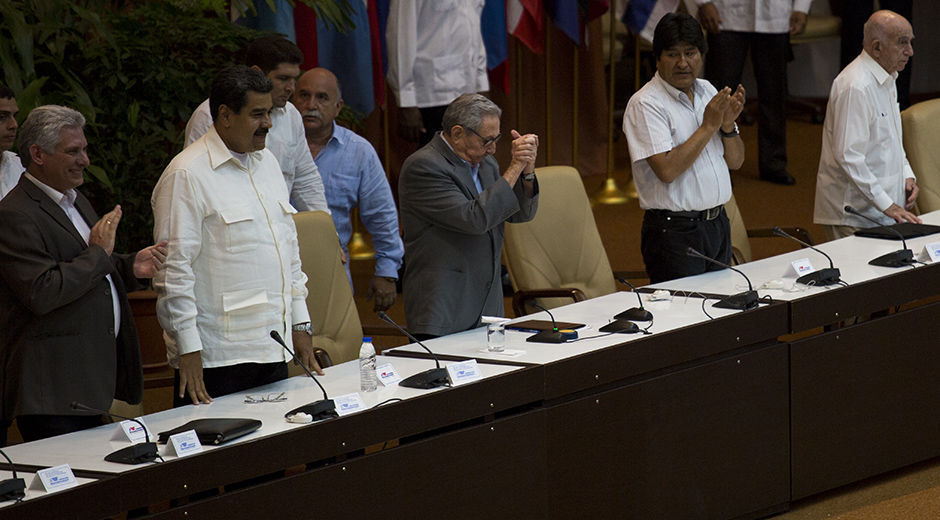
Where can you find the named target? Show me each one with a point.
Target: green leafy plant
(136, 70)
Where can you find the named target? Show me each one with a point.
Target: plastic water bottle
(368, 381)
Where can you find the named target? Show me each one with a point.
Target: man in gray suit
(66, 329)
(454, 202)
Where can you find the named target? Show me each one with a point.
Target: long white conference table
(702, 418)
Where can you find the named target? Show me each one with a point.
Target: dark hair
(675, 28)
(268, 52)
(230, 87)
(6, 92)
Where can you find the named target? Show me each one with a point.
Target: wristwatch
(732, 133)
(528, 176)
(303, 327)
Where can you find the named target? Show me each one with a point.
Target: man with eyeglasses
(454, 202)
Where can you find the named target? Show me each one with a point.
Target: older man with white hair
(863, 163)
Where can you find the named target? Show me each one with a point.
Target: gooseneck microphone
(900, 258)
(135, 453)
(741, 301)
(321, 409)
(636, 313)
(547, 336)
(12, 488)
(430, 378)
(826, 276)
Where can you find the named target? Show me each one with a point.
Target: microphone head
(75, 405)
(277, 337)
(382, 315)
(849, 209)
(690, 251)
(777, 231)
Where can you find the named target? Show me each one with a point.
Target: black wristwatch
(726, 135)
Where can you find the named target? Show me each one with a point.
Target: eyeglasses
(267, 398)
(486, 140)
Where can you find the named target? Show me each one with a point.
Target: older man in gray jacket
(454, 202)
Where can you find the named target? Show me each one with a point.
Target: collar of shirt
(677, 94)
(219, 154)
(66, 200)
(338, 139)
(474, 170)
(879, 72)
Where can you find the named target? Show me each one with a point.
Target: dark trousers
(35, 427)
(854, 14)
(727, 52)
(234, 378)
(664, 243)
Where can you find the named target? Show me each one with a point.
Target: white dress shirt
(862, 163)
(660, 117)
(435, 51)
(10, 171)
(66, 201)
(760, 16)
(288, 142)
(232, 272)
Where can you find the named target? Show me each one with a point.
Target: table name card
(183, 444)
(463, 372)
(349, 403)
(54, 479)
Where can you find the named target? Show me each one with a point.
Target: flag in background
(641, 16)
(281, 20)
(524, 21)
(377, 37)
(565, 14)
(493, 27)
(305, 25)
(349, 57)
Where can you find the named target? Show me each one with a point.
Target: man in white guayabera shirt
(863, 163)
(279, 59)
(233, 265)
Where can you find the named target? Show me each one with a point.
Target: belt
(708, 214)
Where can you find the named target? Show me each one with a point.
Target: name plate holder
(349, 403)
(930, 253)
(463, 372)
(387, 374)
(53, 479)
(183, 444)
(130, 431)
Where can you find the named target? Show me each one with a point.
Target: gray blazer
(57, 342)
(454, 237)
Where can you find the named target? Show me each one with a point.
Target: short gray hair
(468, 111)
(43, 127)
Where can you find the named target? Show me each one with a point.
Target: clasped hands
(525, 149)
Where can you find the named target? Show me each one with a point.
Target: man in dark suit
(454, 202)
(67, 329)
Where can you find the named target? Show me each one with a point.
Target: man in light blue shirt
(352, 176)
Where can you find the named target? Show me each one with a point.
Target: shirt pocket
(451, 72)
(239, 230)
(286, 222)
(246, 314)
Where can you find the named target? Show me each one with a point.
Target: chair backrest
(740, 243)
(920, 127)
(561, 246)
(330, 301)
